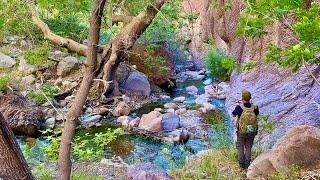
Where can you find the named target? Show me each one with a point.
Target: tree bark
(12, 163)
(64, 161)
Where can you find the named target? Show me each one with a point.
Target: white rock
(192, 89)
(207, 82)
(25, 67)
(179, 99)
(124, 120)
(50, 122)
(170, 106)
(6, 61)
(28, 80)
(67, 65)
(165, 97)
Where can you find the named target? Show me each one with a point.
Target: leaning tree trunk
(64, 161)
(12, 163)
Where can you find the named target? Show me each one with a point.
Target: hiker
(247, 128)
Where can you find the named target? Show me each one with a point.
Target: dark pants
(244, 146)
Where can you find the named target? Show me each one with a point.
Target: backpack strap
(247, 109)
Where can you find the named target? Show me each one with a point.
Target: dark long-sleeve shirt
(238, 110)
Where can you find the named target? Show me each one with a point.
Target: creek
(136, 148)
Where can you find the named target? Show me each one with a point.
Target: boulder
(6, 61)
(151, 121)
(122, 109)
(50, 123)
(124, 120)
(299, 146)
(179, 99)
(122, 73)
(146, 171)
(23, 116)
(91, 120)
(170, 122)
(261, 167)
(138, 82)
(134, 123)
(177, 136)
(192, 89)
(181, 111)
(66, 65)
(201, 99)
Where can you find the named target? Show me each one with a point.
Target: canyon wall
(289, 99)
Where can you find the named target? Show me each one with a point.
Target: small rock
(122, 109)
(28, 80)
(170, 122)
(209, 107)
(66, 65)
(50, 122)
(207, 82)
(146, 171)
(124, 120)
(158, 109)
(171, 110)
(170, 106)
(222, 97)
(6, 61)
(192, 89)
(181, 111)
(200, 77)
(165, 97)
(201, 99)
(90, 121)
(178, 136)
(179, 99)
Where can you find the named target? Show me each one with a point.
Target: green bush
(291, 173)
(43, 93)
(5, 81)
(219, 64)
(38, 55)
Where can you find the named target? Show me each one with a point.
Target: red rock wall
(289, 98)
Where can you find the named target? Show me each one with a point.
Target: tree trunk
(64, 161)
(12, 163)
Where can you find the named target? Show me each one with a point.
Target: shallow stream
(134, 148)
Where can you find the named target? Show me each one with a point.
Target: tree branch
(121, 18)
(70, 44)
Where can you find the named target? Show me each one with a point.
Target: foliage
(38, 55)
(69, 26)
(219, 122)
(83, 176)
(292, 173)
(248, 66)
(219, 64)
(43, 94)
(13, 19)
(266, 126)
(305, 30)
(85, 148)
(5, 81)
(214, 164)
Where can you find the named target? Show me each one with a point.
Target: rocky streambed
(168, 130)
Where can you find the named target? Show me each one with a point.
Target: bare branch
(70, 44)
(121, 18)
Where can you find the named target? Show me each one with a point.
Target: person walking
(247, 128)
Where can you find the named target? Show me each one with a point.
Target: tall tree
(12, 163)
(101, 62)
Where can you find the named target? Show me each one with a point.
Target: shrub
(291, 173)
(43, 93)
(5, 81)
(38, 55)
(219, 64)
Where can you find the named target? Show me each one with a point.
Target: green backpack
(248, 123)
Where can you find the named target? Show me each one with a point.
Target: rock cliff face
(290, 99)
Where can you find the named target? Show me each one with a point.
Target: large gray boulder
(6, 61)
(170, 122)
(138, 82)
(146, 171)
(66, 65)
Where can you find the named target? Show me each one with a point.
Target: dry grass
(213, 164)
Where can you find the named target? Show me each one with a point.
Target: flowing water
(134, 148)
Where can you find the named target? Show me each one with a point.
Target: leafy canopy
(304, 30)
